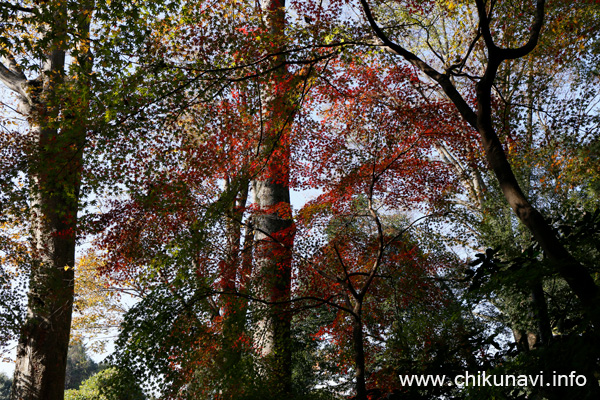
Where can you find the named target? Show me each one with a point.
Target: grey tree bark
(274, 227)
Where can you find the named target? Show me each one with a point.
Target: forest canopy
(301, 199)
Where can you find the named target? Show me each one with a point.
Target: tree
(368, 154)
(99, 306)
(53, 62)
(211, 107)
(109, 384)
(55, 105)
(248, 111)
(79, 366)
(482, 119)
(5, 384)
(543, 118)
(273, 223)
(181, 232)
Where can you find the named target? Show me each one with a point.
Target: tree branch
(13, 77)
(510, 53)
(484, 25)
(442, 79)
(536, 28)
(15, 7)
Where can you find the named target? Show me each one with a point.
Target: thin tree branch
(442, 79)
(15, 7)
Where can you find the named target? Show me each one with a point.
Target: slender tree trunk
(540, 311)
(233, 306)
(576, 275)
(359, 357)
(274, 227)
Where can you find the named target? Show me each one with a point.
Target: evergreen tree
(5, 384)
(79, 366)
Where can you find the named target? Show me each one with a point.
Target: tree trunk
(43, 345)
(274, 227)
(233, 307)
(359, 358)
(273, 240)
(57, 113)
(576, 275)
(540, 313)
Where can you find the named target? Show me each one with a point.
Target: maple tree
(147, 222)
(266, 135)
(229, 285)
(533, 98)
(368, 153)
(98, 306)
(545, 151)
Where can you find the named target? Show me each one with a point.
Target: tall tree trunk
(42, 349)
(57, 113)
(274, 227)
